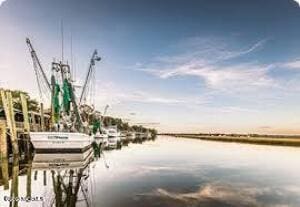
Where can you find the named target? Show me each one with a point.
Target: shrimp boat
(68, 130)
(55, 142)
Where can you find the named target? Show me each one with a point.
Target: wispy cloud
(242, 75)
(297, 1)
(109, 93)
(213, 63)
(295, 64)
(1, 2)
(208, 51)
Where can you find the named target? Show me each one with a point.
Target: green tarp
(66, 97)
(56, 104)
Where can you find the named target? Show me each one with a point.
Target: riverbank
(263, 140)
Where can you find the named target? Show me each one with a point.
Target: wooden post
(3, 155)
(26, 124)
(25, 112)
(10, 118)
(3, 140)
(42, 117)
(5, 174)
(28, 181)
(14, 191)
(14, 139)
(33, 122)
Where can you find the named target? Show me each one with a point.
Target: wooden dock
(15, 124)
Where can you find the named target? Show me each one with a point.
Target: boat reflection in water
(51, 179)
(65, 180)
(69, 176)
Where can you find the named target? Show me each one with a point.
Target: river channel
(166, 172)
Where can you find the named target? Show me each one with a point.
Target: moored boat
(101, 139)
(60, 142)
(69, 126)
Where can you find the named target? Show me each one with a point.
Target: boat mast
(94, 58)
(37, 65)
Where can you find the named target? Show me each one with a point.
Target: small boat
(114, 137)
(112, 131)
(101, 138)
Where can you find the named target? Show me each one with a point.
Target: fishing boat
(69, 129)
(60, 142)
(112, 131)
(101, 139)
(114, 138)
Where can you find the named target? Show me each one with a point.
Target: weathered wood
(33, 123)
(26, 122)
(3, 155)
(3, 140)
(25, 112)
(28, 181)
(14, 193)
(5, 174)
(13, 136)
(42, 117)
(7, 103)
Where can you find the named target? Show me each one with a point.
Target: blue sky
(198, 65)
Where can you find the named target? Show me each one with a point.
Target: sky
(180, 66)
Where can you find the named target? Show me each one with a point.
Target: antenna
(72, 75)
(62, 41)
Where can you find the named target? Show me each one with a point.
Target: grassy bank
(264, 140)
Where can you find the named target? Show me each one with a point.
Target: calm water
(166, 172)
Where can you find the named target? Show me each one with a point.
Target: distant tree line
(124, 126)
(33, 105)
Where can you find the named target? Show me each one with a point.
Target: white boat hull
(60, 141)
(101, 139)
(114, 134)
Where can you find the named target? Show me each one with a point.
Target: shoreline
(291, 142)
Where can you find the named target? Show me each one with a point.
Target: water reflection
(64, 176)
(167, 172)
(69, 174)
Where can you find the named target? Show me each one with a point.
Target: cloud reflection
(216, 194)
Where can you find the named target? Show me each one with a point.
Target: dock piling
(3, 140)
(7, 102)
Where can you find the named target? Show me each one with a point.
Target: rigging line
(38, 81)
(94, 87)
